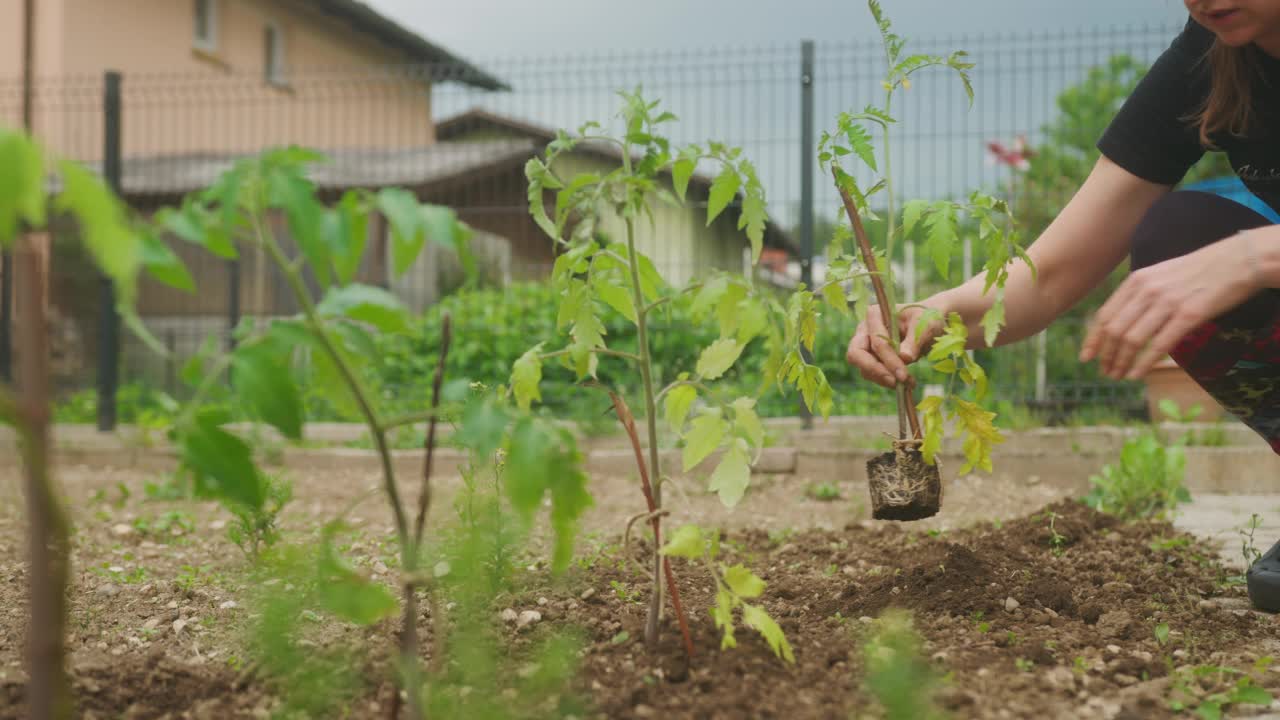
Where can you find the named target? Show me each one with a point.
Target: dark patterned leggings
(1236, 356)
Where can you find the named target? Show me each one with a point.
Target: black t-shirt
(1152, 138)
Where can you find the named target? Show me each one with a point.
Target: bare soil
(1020, 624)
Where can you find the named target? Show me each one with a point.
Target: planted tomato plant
(110, 236)
(905, 481)
(593, 276)
(318, 255)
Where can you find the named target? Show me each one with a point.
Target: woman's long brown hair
(1229, 107)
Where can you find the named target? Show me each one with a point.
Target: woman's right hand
(872, 353)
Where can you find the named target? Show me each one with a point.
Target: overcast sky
(482, 29)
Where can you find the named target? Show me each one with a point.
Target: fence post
(806, 185)
(108, 319)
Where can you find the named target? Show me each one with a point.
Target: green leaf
(723, 190)
(677, 404)
(345, 593)
(833, 293)
(114, 246)
(22, 191)
(992, 321)
(743, 582)
(912, 211)
(614, 295)
(756, 618)
(221, 463)
(681, 171)
(368, 304)
(732, 476)
(687, 543)
(1162, 633)
(1209, 710)
(747, 421)
(541, 179)
(443, 228)
(408, 227)
(526, 376)
(163, 265)
(1251, 695)
(345, 231)
(542, 460)
(722, 613)
(717, 358)
(942, 235)
(703, 439)
(862, 144)
(484, 424)
(266, 389)
(753, 320)
(290, 191)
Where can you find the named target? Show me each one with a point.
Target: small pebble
(178, 625)
(228, 605)
(508, 615)
(643, 711)
(1113, 649)
(527, 618)
(586, 594)
(108, 589)
(542, 602)
(121, 530)
(1010, 604)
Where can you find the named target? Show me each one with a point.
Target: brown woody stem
(906, 401)
(655, 513)
(48, 690)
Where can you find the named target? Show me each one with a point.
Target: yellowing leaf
(756, 618)
(687, 543)
(677, 403)
(717, 358)
(743, 582)
(526, 376)
(703, 439)
(732, 475)
(981, 435)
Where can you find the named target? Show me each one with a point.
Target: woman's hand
(1155, 307)
(871, 352)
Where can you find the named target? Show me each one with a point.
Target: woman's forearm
(1083, 244)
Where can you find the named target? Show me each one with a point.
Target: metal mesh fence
(425, 128)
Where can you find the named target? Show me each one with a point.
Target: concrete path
(1220, 518)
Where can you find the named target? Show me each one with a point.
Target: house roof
(363, 18)
(180, 174)
(452, 130)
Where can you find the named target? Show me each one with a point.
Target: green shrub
(1147, 482)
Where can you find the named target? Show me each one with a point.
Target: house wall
(678, 240)
(179, 99)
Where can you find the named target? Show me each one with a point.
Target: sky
(483, 29)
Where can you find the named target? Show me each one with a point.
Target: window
(273, 62)
(206, 24)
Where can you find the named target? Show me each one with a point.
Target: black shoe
(1263, 581)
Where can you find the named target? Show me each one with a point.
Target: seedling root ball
(903, 486)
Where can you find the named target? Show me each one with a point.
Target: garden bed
(1018, 623)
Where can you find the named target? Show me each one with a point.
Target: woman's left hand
(1155, 307)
